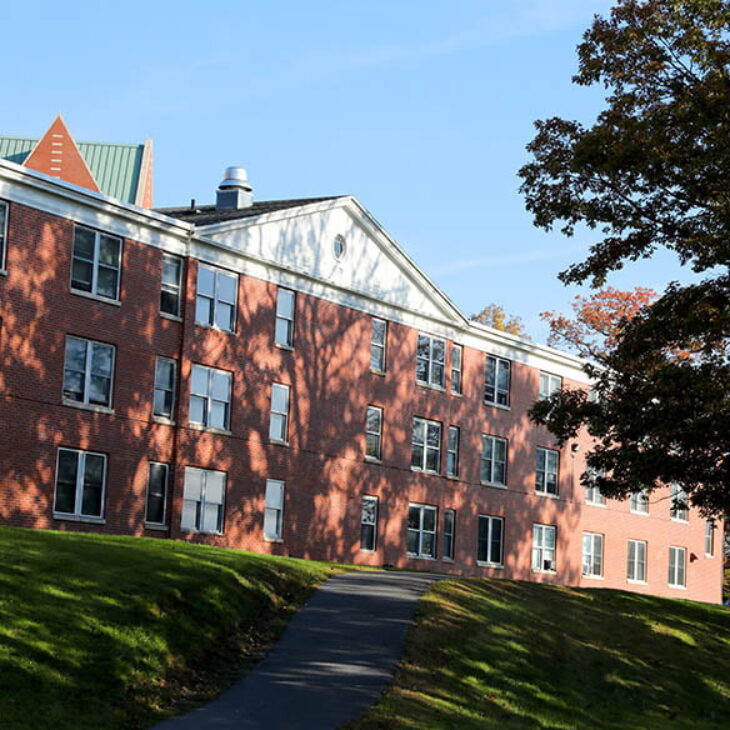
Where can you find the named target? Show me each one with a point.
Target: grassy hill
(495, 654)
(114, 632)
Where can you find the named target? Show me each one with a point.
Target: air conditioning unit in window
(548, 565)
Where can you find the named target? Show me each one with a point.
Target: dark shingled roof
(207, 215)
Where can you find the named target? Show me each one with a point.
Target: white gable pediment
(302, 240)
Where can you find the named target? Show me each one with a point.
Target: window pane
(193, 483)
(285, 303)
(164, 373)
(277, 427)
(414, 518)
(428, 544)
(495, 553)
(93, 485)
(221, 385)
(109, 249)
(100, 390)
(66, 482)
(429, 519)
(197, 409)
(227, 287)
(279, 398)
(211, 515)
(102, 359)
(206, 282)
(378, 335)
(106, 282)
(189, 519)
(218, 414)
(84, 243)
(204, 310)
(412, 546)
(224, 316)
(76, 353)
(82, 273)
(171, 269)
(282, 329)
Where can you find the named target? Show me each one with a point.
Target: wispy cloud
(531, 256)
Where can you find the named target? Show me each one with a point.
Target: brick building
(280, 377)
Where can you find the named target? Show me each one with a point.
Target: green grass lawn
(117, 632)
(494, 653)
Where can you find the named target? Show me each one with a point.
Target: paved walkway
(335, 658)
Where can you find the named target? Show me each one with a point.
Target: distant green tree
(652, 171)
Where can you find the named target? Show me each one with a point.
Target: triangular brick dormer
(58, 155)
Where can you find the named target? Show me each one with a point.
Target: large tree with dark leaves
(652, 171)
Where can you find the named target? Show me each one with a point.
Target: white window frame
(208, 399)
(710, 538)
(378, 350)
(636, 563)
(549, 384)
(676, 513)
(457, 368)
(284, 415)
(374, 436)
(542, 554)
(677, 569)
(432, 364)
(491, 521)
(286, 317)
(488, 466)
(592, 553)
(4, 235)
(369, 524)
(164, 389)
(421, 530)
(96, 264)
(639, 502)
(452, 451)
(496, 364)
(217, 298)
(424, 425)
(220, 520)
(165, 490)
(80, 481)
(88, 362)
(172, 288)
(449, 535)
(274, 501)
(594, 496)
(541, 485)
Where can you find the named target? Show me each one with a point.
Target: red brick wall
(323, 465)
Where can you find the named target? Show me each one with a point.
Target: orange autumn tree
(494, 316)
(597, 321)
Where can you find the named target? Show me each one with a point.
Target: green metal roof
(115, 167)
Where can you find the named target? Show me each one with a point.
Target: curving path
(335, 658)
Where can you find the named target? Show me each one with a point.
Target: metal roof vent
(234, 192)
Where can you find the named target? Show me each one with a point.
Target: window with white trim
(80, 483)
(490, 541)
(594, 495)
(639, 502)
(368, 524)
(430, 361)
(284, 327)
(710, 538)
(165, 381)
(452, 452)
(493, 462)
(421, 531)
(677, 567)
(171, 285)
(210, 397)
(373, 432)
(215, 299)
(279, 421)
(203, 500)
(426, 454)
(636, 565)
(96, 265)
(497, 381)
(592, 554)
(546, 471)
(678, 510)
(543, 548)
(155, 511)
(457, 357)
(449, 533)
(3, 233)
(274, 510)
(378, 339)
(88, 372)
(549, 384)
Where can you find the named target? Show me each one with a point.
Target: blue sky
(422, 110)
